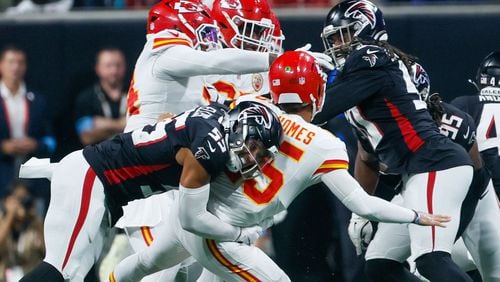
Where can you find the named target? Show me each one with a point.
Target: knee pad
(43, 272)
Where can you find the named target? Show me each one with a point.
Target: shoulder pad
(366, 57)
(169, 38)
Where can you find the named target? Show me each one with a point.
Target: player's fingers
(441, 218)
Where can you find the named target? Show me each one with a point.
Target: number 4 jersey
(306, 153)
(485, 110)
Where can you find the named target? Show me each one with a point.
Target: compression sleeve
(183, 61)
(195, 218)
(350, 193)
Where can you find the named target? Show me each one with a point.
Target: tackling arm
(194, 193)
(350, 193)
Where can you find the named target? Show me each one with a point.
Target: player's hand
(360, 232)
(213, 94)
(426, 219)
(323, 60)
(249, 235)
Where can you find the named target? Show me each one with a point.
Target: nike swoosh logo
(483, 195)
(210, 147)
(369, 52)
(467, 134)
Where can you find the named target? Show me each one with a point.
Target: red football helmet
(278, 36)
(187, 16)
(245, 24)
(296, 78)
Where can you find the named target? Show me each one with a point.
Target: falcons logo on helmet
(363, 11)
(420, 76)
(259, 114)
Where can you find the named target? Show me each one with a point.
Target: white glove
(361, 232)
(249, 235)
(323, 60)
(213, 94)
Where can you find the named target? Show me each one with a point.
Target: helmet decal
(187, 7)
(421, 77)
(364, 11)
(259, 114)
(230, 4)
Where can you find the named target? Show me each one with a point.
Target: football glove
(323, 60)
(361, 233)
(248, 235)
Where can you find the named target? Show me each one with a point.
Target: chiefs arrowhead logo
(257, 81)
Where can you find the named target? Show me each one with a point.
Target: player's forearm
(195, 218)
(350, 193)
(182, 61)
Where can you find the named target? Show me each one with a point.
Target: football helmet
(488, 73)
(254, 138)
(278, 37)
(421, 80)
(189, 17)
(245, 24)
(296, 78)
(347, 24)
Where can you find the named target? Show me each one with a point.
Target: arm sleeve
(183, 61)
(195, 218)
(350, 193)
(348, 91)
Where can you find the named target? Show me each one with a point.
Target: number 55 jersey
(306, 152)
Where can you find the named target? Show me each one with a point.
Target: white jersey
(168, 75)
(306, 153)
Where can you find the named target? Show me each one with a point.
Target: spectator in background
(101, 109)
(21, 234)
(24, 122)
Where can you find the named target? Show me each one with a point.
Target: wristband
(416, 220)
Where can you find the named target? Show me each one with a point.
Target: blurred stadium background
(449, 38)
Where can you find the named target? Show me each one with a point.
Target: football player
(485, 109)
(385, 262)
(182, 46)
(308, 155)
(90, 186)
(179, 34)
(374, 89)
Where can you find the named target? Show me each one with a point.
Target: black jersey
(140, 163)
(485, 110)
(379, 99)
(458, 126)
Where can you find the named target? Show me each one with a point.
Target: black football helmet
(254, 138)
(421, 80)
(488, 73)
(347, 23)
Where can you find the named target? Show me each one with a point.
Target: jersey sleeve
(184, 61)
(362, 76)
(332, 154)
(471, 137)
(208, 143)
